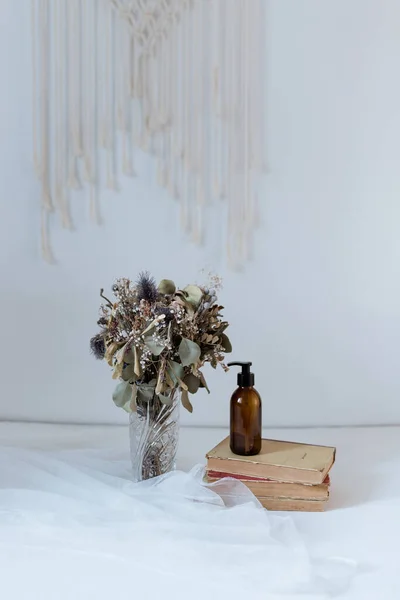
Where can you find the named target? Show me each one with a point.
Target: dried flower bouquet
(158, 338)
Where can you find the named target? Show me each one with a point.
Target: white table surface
(363, 520)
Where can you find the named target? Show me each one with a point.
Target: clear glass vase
(154, 436)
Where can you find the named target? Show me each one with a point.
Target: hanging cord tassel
(88, 88)
(167, 175)
(202, 106)
(175, 112)
(127, 164)
(90, 14)
(222, 81)
(77, 77)
(45, 93)
(218, 41)
(144, 70)
(34, 32)
(47, 205)
(193, 67)
(228, 112)
(119, 74)
(110, 61)
(184, 158)
(73, 128)
(134, 108)
(59, 108)
(238, 127)
(103, 81)
(172, 106)
(47, 252)
(255, 62)
(259, 158)
(188, 56)
(247, 207)
(164, 68)
(225, 77)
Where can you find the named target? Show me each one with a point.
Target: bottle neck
(245, 380)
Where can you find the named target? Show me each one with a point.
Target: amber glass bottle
(246, 415)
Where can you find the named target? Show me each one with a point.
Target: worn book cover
(278, 460)
(276, 489)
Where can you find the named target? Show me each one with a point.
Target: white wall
(318, 309)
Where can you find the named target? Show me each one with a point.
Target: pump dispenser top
(246, 415)
(245, 378)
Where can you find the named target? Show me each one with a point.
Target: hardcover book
(278, 461)
(276, 489)
(292, 504)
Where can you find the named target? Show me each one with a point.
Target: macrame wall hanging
(180, 79)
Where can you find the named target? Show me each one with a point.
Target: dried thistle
(146, 288)
(97, 346)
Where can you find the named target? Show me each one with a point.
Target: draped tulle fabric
(73, 525)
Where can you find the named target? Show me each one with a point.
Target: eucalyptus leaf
(168, 379)
(166, 399)
(203, 382)
(194, 295)
(154, 347)
(129, 356)
(183, 385)
(181, 294)
(185, 401)
(132, 404)
(181, 298)
(189, 352)
(150, 327)
(128, 373)
(111, 350)
(192, 382)
(225, 343)
(120, 354)
(222, 327)
(190, 309)
(145, 391)
(161, 380)
(176, 371)
(122, 395)
(137, 366)
(118, 370)
(166, 286)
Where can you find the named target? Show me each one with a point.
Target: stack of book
(283, 476)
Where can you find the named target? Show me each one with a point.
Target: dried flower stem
(109, 303)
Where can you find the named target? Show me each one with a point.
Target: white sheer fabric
(73, 525)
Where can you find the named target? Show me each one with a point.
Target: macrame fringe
(181, 79)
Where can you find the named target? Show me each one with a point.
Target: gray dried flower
(97, 346)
